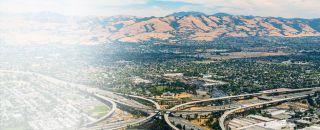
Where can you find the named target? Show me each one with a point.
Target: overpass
(136, 122)
(257, 105)
(205, 109)
(121, 124)
(183, 106)
(99, 94)
(157, 106)
(109, 114)
(177, 108)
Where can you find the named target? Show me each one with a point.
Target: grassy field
(158, 90)
(237, 55)
(99, 111)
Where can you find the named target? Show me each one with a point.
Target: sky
(275, 8)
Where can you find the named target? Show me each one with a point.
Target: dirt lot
(235, 55)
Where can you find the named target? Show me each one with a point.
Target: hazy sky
(282, 8)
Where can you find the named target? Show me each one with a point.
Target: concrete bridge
(227, 114)
(155, 104)
(109, 114)
(100, 94)
(236, 97)
(122, 124)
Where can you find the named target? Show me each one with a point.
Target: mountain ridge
(186, 13)
(194, 26)
(201, 27)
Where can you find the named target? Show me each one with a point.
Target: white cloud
(148, 11)
(69, 7)
(283, 8)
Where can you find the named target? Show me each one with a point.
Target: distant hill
(181, 14)
(199, 26)
(177, 26)
(221, 14)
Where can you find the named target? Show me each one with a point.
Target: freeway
(187, 124)
(227, 113)
(109, 114)
(101, 93)
(135, 122)
(207, 109)
(181, 106)
(124, 101)
(166, 118)
(121, 100)
(121, 124)
(134, 104)
(143, 98)
(236, 96)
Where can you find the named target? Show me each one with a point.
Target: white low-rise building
(271, 125)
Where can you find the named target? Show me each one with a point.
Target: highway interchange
(114, 100)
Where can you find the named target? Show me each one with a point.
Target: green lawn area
(158, 90)
(99, 111)
(161, 88)
(186, 99)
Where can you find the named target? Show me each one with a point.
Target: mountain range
(201, 27)
(197, 26)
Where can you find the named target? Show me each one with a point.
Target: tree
(196, 115)
(179, 126)
(188, 117)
